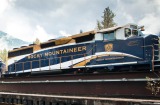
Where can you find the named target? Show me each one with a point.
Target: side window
(135, 32)
(127, 32)
(108, 36)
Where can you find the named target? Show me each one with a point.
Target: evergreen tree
(99, 26)
(107, 19)
(4, 55)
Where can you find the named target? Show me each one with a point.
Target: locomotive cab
(127, 31)
(123, 33)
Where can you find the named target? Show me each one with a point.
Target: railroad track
(109, 84)
(85, 97)
(122, 87)
(120, 75)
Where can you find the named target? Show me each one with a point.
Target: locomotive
(115, 49)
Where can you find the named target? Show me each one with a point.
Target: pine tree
(99, 26)
(107, 21)
(4, 55)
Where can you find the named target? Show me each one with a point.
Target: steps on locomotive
(157, 64)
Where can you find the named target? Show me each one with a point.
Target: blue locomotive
(113, 49)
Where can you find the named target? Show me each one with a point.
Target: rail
(152, 101)
(82, 81)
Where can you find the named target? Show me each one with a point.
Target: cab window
(127, 32)
(108, 36)
(135, 32)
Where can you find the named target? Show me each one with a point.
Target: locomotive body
(108, 49)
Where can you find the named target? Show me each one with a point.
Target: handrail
(60, 62)
(152, 46)
(23, 67)
(40, 65)
(49, 64)
(153, 57)
(85, 59)
(72, 56)
(49, 59)
(31, 65)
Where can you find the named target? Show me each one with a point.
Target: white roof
(109, 29)
(114, 28)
